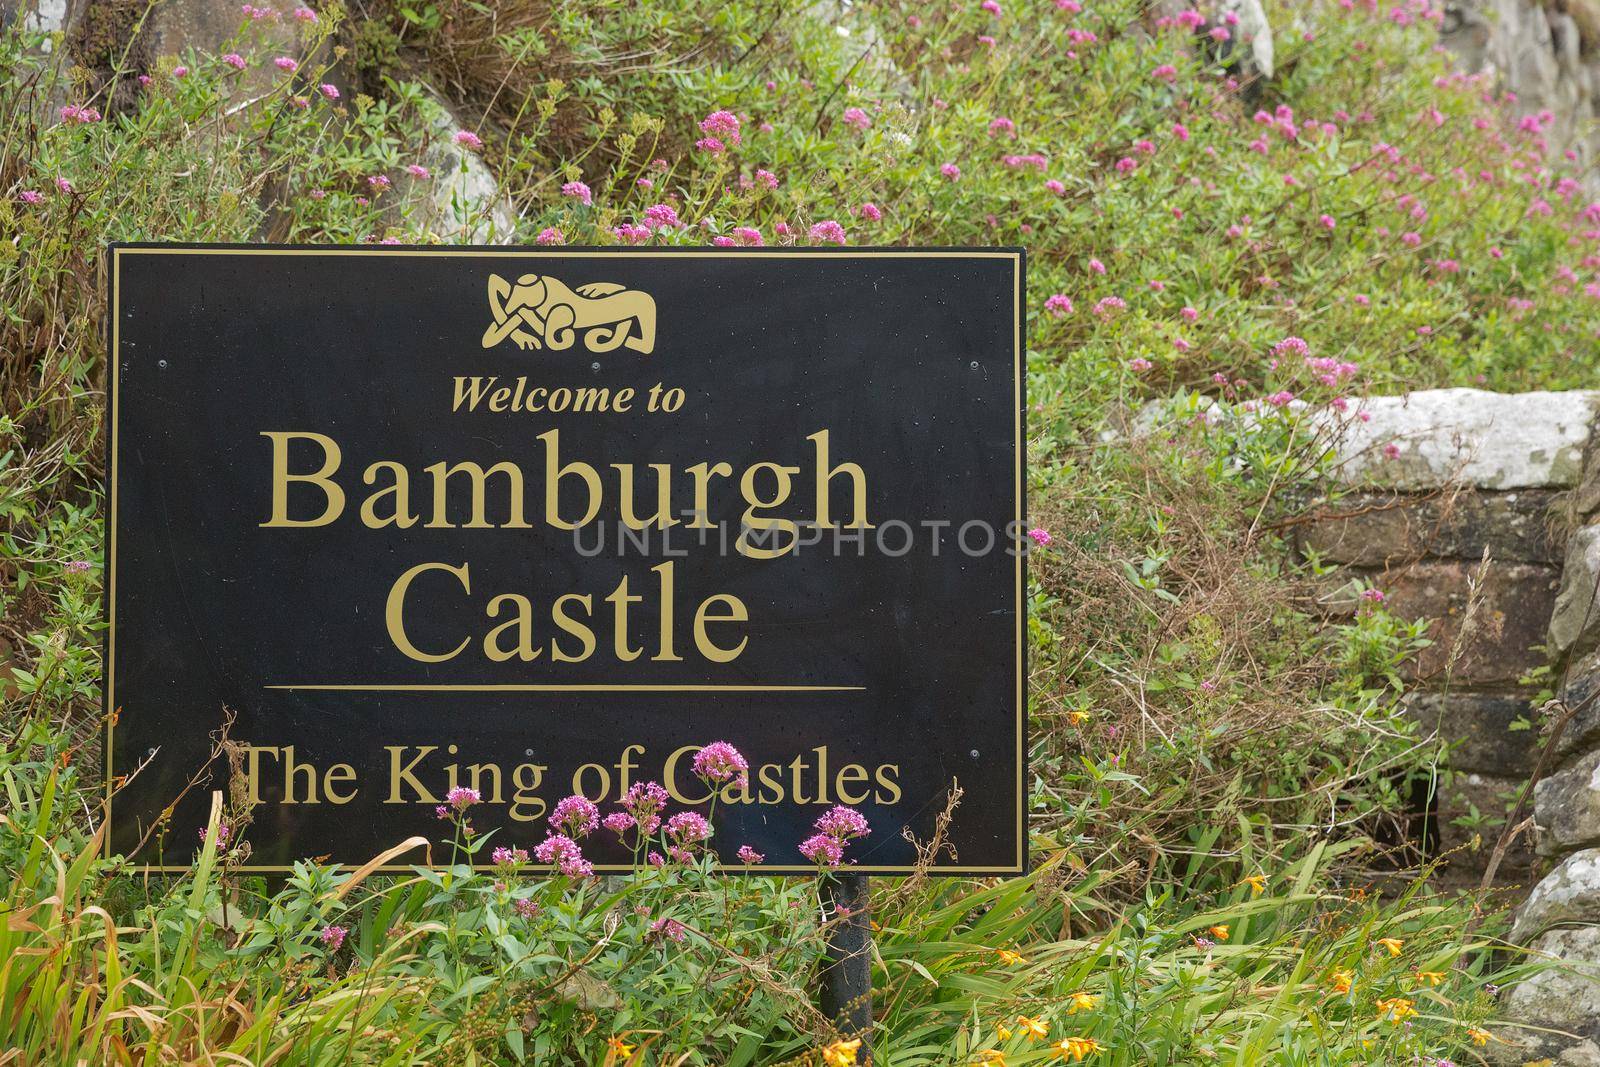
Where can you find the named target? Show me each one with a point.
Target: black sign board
(546, 521)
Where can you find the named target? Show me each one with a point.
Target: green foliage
(1212, 748)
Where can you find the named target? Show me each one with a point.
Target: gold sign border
(1018, 257)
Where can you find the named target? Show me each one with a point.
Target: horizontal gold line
(446, 687)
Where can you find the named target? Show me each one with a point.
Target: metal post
(847, 967)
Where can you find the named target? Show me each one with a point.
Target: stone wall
(1456, 503)
(1481, 513)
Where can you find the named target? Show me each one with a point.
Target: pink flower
(564, 854)
(1055, 187)
(721, 762)
(1391, 451)
(721, 124)
(628, 233)
(749, 236)
(1002, 125)
(871, 211)
(333, 937)
(64, 185)
(286, 63)
(991, 6)
(224, 831)
(1165, 72)
(1180, 131)
(1058, 304)
(688, 828)
(750, 856)
(461, 798)
(551, 235)
(77, 113)
(417, 170)
(828, 232)
(329, 90)
(854, 116)
(575, 816)
(378, 181)
(1189, 313)
(525, 907)
(30, 196)
(508, 857)
(1375, 595)
(843, 823)
(1126, 164)
(1411, 239)
(1040, 535)
(578, 191)
(233, 59)
(767, 178)
(711, 144)
(822, 850)
(1139, 364)
(668, 929)
(951, 171)
(661, 216)
(1107, 306)
(1290, 346)
(180, 72)
(1326, 222)
(468, 139)
(305, 14)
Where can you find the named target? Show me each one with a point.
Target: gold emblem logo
(542, 312)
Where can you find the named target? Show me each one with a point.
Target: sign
(538, 522)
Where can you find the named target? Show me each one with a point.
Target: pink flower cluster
(836, 828)
(721, 762)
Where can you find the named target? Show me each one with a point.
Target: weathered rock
(1582, 685)
(1379, 529)
(1480, 728)
(1575, 621)
(1506, 627)
(210, 27)
(1564, 998)
(1566, 806)
(465, 203)
(1478, 438)
(1471, 810)
(1568, 894)
(1255, 56)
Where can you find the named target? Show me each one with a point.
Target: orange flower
(1008, 957)
(841, 1053)
(1257, 884)
(1395, 1009)
(1432, 978)
(992, 1056)
(1393, 944)
(1082, 1000)
(1077, 718)
(1341, 981)
(1034, 1027)
(619, 1047)
(1219, 931)
(1076, 1048)
(1479, 1037)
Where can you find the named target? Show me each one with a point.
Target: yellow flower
(1076, 1048)
(1430, 977)
(1393, 944)
(1008, 957)
(841, 1053)
(1077, 718)
(1002, 1032)
(992, 1056)
(619, 1047)
(1033, 1027)
(1219, 931)
(1395, 1009)
(1341, 981)
(1479, 1037)
(1257, 884)
(1082, 1000)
